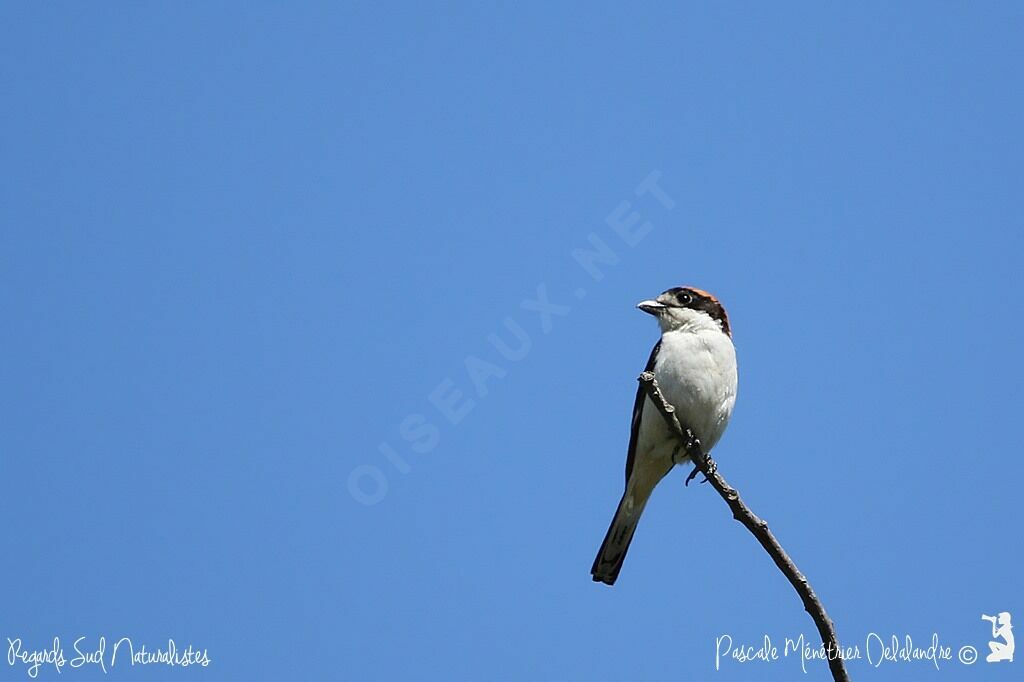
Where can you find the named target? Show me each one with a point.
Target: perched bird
(695, 366)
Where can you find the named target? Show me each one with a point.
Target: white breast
(696, 370)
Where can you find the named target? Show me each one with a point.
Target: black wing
(638, 410)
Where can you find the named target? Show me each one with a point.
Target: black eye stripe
(685, 297)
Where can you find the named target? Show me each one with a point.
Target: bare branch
(757, 526)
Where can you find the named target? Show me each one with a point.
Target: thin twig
(757, 526)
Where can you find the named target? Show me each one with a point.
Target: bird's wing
(638, 411)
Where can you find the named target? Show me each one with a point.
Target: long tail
(620, 533)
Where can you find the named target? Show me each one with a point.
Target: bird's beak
(651, 307)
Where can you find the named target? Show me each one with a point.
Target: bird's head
(686, 307)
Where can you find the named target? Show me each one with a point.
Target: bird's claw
(711, 466)
(692, 442)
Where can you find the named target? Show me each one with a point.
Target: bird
(694, 363)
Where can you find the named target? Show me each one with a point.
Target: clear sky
(243, 246)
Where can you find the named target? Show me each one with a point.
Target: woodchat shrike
(694, 363)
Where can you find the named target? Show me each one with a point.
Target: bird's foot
(682, 450)
(712, 467)
(692, 445)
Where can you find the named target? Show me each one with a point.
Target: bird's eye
(685, 298)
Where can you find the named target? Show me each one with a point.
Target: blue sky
(244, 245)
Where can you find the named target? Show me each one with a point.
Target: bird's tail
(616, 542)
